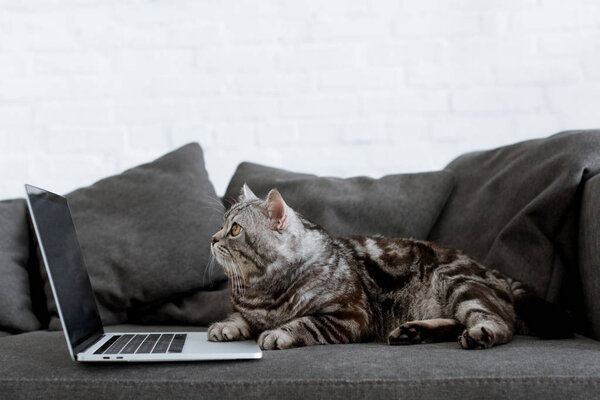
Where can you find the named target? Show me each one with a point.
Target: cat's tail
(537, 317)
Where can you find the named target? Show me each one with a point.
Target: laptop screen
(64, 262)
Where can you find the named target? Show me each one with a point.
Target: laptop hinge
(88, 342)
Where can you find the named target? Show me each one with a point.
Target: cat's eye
(235, 229)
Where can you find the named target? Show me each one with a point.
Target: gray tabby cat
(294, 285)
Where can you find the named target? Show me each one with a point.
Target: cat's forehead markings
(237, 208)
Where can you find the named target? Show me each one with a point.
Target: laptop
(78, 311)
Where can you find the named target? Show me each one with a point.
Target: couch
(529, 210)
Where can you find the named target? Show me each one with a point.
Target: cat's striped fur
(294, 285)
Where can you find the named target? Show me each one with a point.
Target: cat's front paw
(227, 331)
(276, 339)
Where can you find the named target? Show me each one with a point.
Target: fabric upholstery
(200, 308)
(16, 312)
(516, 209)
(537, 191)
(37, 364)
(145, 234)
(405, 205)
(360, 205)
(589, 254)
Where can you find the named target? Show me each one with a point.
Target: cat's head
(257, 234)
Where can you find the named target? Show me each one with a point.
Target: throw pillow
(145, 234)
(404, 205)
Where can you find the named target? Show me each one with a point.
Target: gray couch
(530, 210)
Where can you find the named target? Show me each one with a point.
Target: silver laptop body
(78, 311)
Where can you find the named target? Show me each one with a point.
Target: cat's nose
(213, 240)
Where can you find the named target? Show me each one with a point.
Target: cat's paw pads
(275, 339)
(405, 334)
(227, 331)
(476, 338)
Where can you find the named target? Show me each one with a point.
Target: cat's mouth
(218, 251)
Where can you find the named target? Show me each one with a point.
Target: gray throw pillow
(405, 205)
(16, 312)
(145, 234)
(200, 308)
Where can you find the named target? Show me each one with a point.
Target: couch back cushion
(396, 205)
(589, 254)
(16, 310)
(404, 205)
(145, 234)
(516, 209)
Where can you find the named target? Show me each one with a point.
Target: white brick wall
(335, 87)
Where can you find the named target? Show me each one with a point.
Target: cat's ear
(247, 194)
(276, 208)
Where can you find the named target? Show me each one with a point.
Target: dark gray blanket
(517, 208)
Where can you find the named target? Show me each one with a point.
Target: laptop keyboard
(143, 344)
(148, 344)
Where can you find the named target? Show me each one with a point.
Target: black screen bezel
(93, 334)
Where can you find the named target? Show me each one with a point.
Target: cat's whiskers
(239, 283)
(243, 286)
(212, 208)
(240, 279)
(206, 268)
(209, 267)
(215, 201)
(226, 261)
(235, 278)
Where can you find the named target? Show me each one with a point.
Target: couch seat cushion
(37, 364)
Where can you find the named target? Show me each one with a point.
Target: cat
(294, 285)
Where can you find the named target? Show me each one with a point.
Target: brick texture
(337, 87)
